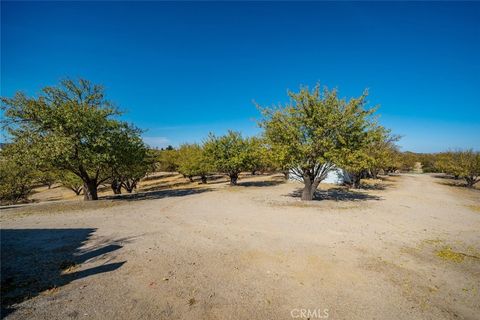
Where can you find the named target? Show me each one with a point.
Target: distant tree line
(70, 134)
(459, 164)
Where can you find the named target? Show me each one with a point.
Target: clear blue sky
(181, 70)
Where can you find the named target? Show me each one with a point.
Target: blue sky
(181, 70)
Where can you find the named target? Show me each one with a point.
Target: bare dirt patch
(251, 251)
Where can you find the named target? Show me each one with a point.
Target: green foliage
(131, 160)
(167, 160)
(18, 176)
(70, 181)
(259, 156)
(316, 131)
(363, 158)
(447, 162)
(69, 127)
(228, 154)
(463, 164)
(428, 161)
(192, 162)
(47, 178)
(382, 151)
(408, 161)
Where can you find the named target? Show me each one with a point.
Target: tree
(167, 160)
(47, 178)
(280, 160)
(359, 160)
(447, 162)
(408, 161)
(382, 151)
(314, 132)
(192, 162)
(258, 155)
(70, 127)
(71, 181)
(470, 167)
(228, 154)
(131, 160)
(17, 178)
(462, 164)
(428, 162)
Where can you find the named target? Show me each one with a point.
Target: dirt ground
(408, 247)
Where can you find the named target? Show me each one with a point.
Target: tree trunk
(286, 174)
(471, 181)
(129, 185)
(233, 178)
(190, 178)
(356, 181)
(90, 191)
(116, 187)
(309, 188)
(253, 172)
(204, 179)
(77, 190)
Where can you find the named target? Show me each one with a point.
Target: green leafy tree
(280, 159)
(461, 164)
(315, 131)
(131, 160)
(470, 167)
(69, 127)
(16, 181)
(447, 162)
(408, 161)
(394, 160)
(228, 154)
(18, 175)
(193, 162)
(359, 160)
(382, 151)
(47, 178)
(71, 181)
(427, 161)
(167, 160)
(258, 155)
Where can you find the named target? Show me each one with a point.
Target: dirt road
(409, 251)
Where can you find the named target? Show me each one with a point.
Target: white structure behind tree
(335, 176)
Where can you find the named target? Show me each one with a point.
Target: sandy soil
(407, 248)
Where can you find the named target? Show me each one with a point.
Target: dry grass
(447, 254)
(475, 208)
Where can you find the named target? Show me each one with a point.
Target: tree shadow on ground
(11, 206)
(35, 260)
(444, 176)
(160, 176)
(337, 194)
(372, 186)
(389, 178)
(159, 194)
(448, 180)
(460, 184)
(454, 183)
(269, 183)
